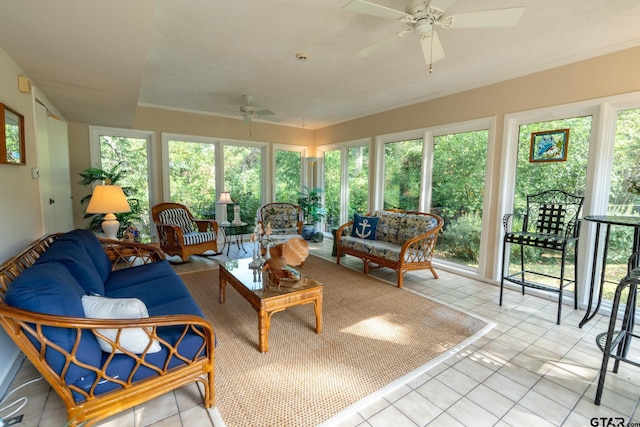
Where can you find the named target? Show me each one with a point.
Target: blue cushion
(73, 256)
(51, 289)
(93, 247)
(364, 226)
(126, 277)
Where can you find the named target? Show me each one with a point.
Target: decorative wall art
(11, 136)
(549, 146)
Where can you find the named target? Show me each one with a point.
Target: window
(535, 177)
(243, 178)
(457, 194)
(197, 169)
(358, 180)
(345, 177)
(621, 201)
(331, 178)
(288, 174)
(192, 176)
(132, 151)
(403, 174)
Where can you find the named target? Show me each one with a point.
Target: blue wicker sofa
(393, 238)
(102, 364)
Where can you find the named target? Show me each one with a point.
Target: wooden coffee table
(267, 298)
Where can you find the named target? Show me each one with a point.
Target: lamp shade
(225, 198)
(108, 199)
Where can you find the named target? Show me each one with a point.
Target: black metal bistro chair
(551, 221)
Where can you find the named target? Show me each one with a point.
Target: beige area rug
(375, 338)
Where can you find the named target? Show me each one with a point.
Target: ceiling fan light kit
(248, 112)
(422, 16)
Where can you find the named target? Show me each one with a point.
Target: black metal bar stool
(615, 342)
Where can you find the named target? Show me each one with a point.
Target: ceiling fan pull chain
(431, 54)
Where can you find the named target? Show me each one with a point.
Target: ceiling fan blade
(271, 119)
(441, 4)
(428, 44)
(380, 44)
(485, 19)
(368, 8)
(265, 112)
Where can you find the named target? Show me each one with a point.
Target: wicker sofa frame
(416, 252)
(25, 326)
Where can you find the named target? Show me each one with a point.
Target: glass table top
(257, 280)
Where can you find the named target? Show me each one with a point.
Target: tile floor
(525, 371)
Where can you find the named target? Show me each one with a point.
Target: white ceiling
(97, 60)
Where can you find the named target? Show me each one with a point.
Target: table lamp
(225, 199)
(108, 199)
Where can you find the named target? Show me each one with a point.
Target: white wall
(21, 221)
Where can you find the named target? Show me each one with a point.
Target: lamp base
(110, 226)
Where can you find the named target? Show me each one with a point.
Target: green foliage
(358, 176)
(287, 176)
(243, 179)
(309, 201)
(112, 176)
(461, 238)
(332, 183)
(131, 154)
(402, 174)
(192, 177)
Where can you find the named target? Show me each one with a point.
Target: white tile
(490, 400)
(471, 414)
(457, 380)
(519, 416)
(390, 416)
(545, 407)
(417, 408)
(440, 394)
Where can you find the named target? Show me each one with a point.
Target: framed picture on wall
(11, 137)
(549, 146)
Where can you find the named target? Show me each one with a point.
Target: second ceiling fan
(422, 16)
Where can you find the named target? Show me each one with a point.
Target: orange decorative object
(296, 251)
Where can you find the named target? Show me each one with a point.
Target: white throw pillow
(134, 340)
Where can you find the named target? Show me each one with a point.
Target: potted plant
(108, 177)
(309, 201)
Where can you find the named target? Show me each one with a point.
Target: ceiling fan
(248, 111)
(421, 16)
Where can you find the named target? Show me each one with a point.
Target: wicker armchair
(181, 234)
(285, 219)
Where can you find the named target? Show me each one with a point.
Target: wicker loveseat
(398, 239)
(101, 366)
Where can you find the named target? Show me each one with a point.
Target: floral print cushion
(388, 226)
(412, 225)
(377, 248)
(283, 218)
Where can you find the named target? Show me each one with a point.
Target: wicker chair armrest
(342, 229)
(206, 225)
(420, 248)
(130, 254)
